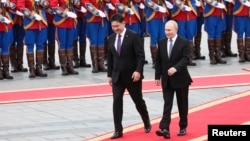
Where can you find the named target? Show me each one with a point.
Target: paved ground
(80, 119)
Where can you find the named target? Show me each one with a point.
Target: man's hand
(110, 6)
(130, 11)
(197, 3)
(110, 81)
(246, 3)
(157, 82)
(136, 76)
(37, 17)
(187, 8)
(101, 14)
(142, 6)
(71, 14)
(220, 5)
(161, 9)
(5, 20)
(171, 71)
(169, 5)
(83, 10)
(19, 13)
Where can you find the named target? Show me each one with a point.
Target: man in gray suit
(172, 73)
(125, 71)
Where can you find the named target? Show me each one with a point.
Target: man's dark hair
(117, 17)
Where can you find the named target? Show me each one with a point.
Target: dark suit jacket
(131, 57)
(179, 59)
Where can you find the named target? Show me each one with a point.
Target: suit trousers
(182, 102)
(135, 91)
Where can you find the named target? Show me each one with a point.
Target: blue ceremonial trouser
(66, 38)
(134, 27)
(35, 37)
(229, 22)
(214, 25)
(187, 29)
(143, 27)
(97, 32)
(241, 26)
(6, 39)
(81, 30)
(156, 30)
(18, 35)
(200, 22)
(51, 33)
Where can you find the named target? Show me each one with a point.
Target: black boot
(20, 67)
(153, 50)
(6, 72)
(13, 59)
(51, 59)
(228, 52)
(82, 56)
(197, 46)
(45, 57)
(75, 55)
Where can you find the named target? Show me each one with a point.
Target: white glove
(162, 9)
(130, 11)
(37, 17)
(101, 14)
(19, 13)
(142, 6)
(71, 14)
(230, 1)
(5, 20)
(187, 8)
(110, 6)
(83, 10)
(246, 3)
(197, 3)
(169, 5)
(220, 5)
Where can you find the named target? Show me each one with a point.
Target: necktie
(119, 44)
(170, 47)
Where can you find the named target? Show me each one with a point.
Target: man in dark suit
(172, 73)
(125, 71)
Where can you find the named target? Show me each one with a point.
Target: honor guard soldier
(35, 25)
(80, 41)
(65, 19)
(184, 13)
(227, 33)
(50, 44)
(215, 23)
(17, 46)
(241, 27)
(200, 21)
(97, 30)
(6, 34)
(156, 16)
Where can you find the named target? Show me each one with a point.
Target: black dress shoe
(165, 133)
(116, 135)
(182, 132)
(147, 128)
